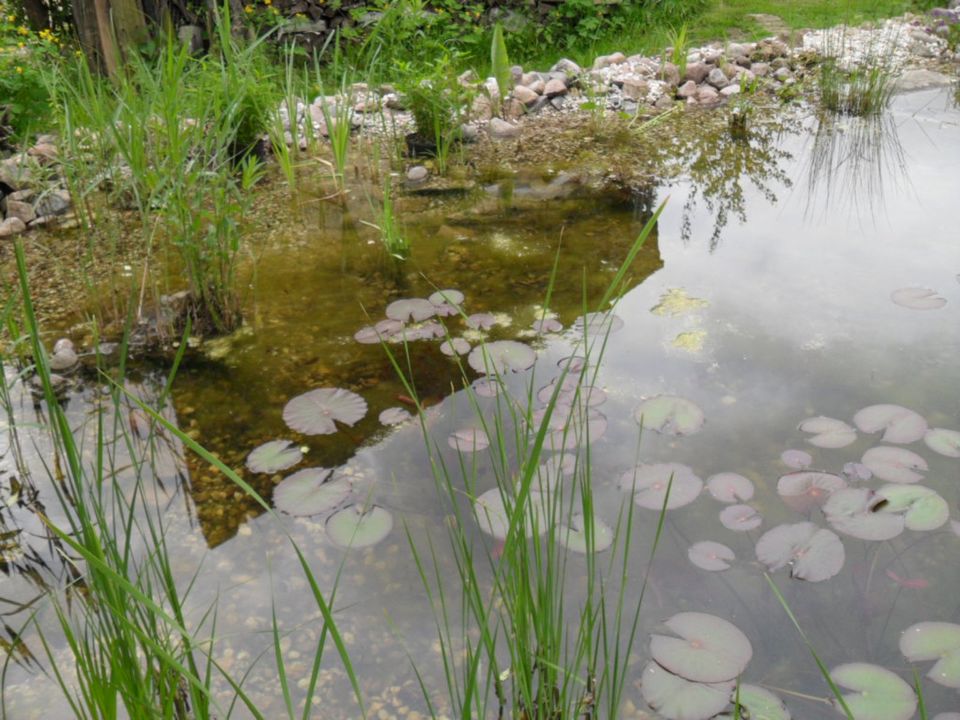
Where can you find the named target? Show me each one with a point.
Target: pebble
(418, 173)
(12, 226)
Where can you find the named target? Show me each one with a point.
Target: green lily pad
(493, 518)
(274, 456)
(669, 415)
(879, 694)
(574, 538)
(851, 511)
(677, 699)
(761, 704)
(355, 527)
(922, 508)
(813, 553)
(938, 641)
(709, 649)
(308, 492)
(314, 412)
(943, 441)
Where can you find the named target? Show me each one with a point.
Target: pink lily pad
(899, 425)
(710, 555)
(828, 432)
(315, 412)
(650, 484)
(813, 553)
(895, 464)
(709, 649)
(740, 518)
(411, 310)
(729, 487)
(455, 346)
(805, 490)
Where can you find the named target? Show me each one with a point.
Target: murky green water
(791, 247)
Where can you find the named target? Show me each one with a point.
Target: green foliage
(500, 61)
(439, 105)
(24, 56)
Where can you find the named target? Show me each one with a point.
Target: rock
(192, 37)
(417, 174)
(706, 95)
(502, 130)
(46, 152)
(541, 102)
(469, 133)
(664, 102)
(697, 72)
(604, 61)
(537, 86)
(63, 344)
(64, 359)
(783, 74)
(635, 89)
(718, 78)
(467, 78)
(492, 89)
(22, 195)
(394, 101)
(731, 70)
(516, 72)
(567, 67)
(760, 69)
(712, 56)
(558, 102)
(730, 90)
(16, 172)
(525, 95)
(555, 88)
(18, 209)
(56, 202)
(12, 226)
(742, 61)
(921, 79)
(767, 50)
(530, 78)
(687, 90)
(737, 50)
(670, 74)
(482, 108)
(513, 109)
(694, 57)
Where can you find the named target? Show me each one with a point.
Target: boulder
(635, 89)
(525, 95)
(19, 209)
(12, 226)
(502, 130)
(567, 67)
(687, 90)
(56, 202)
(604, 61)
(718, 78)
(707, 95)
(697, 72)
(530, 78)
(537, 86)
(16, 172)
(555, 88)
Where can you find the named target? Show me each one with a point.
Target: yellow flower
(248, 9)
(267, 2)
(11, 18)
(23, 30)
(19, 70)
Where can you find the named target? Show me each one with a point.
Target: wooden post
(108, 29)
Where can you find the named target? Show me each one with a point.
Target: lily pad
(547, 325)
(709, 649)
(650, 483)
(828, 432)
(899, 424)
(573, 363)
(677, 699)
(710, 555)
(895, 464)
(382, 331)
(729, 487)
(446, 297)
(916, 298)
(805, 490)
(411, 310)
(574, 538)
(502, 356)
(879, 694)
(469, 440)
(493, 519)
(669, 415)
(486, 387)
(740, 518)
(481, 321)
(851, 511)
(761, 704)
(944, 442)
(857, 472)
(314, 412)
(598, 324)
(310, 492)
(922, 508)
(355, 527)
(813, 553)
(938, 641)
(274, 456)
(455, 346)
(394, 416)
(796, 459)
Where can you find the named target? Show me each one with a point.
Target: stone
(767, 50)
(192, 37)
(15, 172)
(482, 108)
(921, 80)
(737, 50)
(730, 90)
(46, 152)
(664, 102)
(525, 95)
(555, 88)
(530, 78)
(56, 202)
(469, 133)
(567, 67)
(731, 70)
(492, 89)
(712, 56)
(760, 69)
(670, 74)
(718, 78)
(18, 209)
(783, 74)
(742, 61)
(697, 72)
(394, 101)
(417, 174)
(537, 86)
(541, 102)
(687, 90)
(12, 226)
(469, 77)
(635, 89)
(502, 130)
(604, 61)
(557, 102)
(22, 195)
(706, 95)
(516, 73)
(513, 109)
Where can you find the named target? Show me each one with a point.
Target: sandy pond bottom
(766, 296)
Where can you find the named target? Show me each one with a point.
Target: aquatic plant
(393, 239)
(339, 124)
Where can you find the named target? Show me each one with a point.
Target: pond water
(764, 296)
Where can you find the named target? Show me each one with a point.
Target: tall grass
(860, 88)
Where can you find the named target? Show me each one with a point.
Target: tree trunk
(109, 30)
(38, 16)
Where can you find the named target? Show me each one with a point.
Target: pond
(783, 293)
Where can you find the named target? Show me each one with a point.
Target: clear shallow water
(795, 274)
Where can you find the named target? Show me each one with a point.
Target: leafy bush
(23, 56)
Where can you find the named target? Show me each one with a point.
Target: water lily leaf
(455, 346)
(355, 527)
(314, 412)
(710, 555)
(729, 487)
(481, 321)
(851, 511)
(740, 518)
(899, 424)
(805, 490)
(453, 298)
(574, 537)
(310, 492)
(598, 324)
(916, 298)
(571, 389)
(938, 641)
(895, 464)
(274, 456)
(649, 485)
(426, 331)
(469, 440)
(857, 472)
(571, 427)
(547, 325)
(761, 704)
(669, 415)
(411, 310)
(828, 432)
(677, 699)
(945, 442)
(573, 364)
(796, 459)
(486, 387)
(709, 649)
(381, 332)
(922, 508)
(879, 694)
(813, 553)
(394, 416)
(502, 356)
(493, 519)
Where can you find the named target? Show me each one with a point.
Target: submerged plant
(392, 238)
